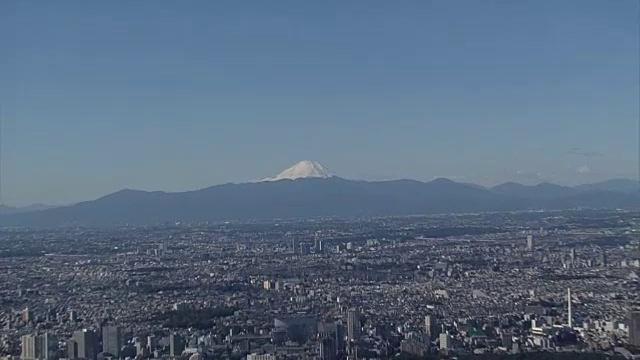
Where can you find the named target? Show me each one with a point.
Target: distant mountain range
(308, 190)
(4, 209)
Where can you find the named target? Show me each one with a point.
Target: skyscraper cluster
(39, 347)
(84, 344)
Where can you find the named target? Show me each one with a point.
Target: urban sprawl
(449, 286)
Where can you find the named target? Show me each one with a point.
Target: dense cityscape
(449, 286)
(320, 180)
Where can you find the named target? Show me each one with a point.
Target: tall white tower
(570, 322)
(530, 242)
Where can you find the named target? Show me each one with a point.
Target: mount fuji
(303, 170)
(308, 189)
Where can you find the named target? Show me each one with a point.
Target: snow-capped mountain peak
(302, 170)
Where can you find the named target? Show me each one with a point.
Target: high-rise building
(570, 315)
(27, 315)
(340, 335)
(49, 345)
(327, 348)
(353, 325)
(87, 344)
(152, 343)
(429, 326)
(112, 340)
(176, 345)
(416, 347)
(530, 242)
(334, 331)
(29, 347)
(304, 249)
(572, 255)
(445, 341)
(634, 328)
(72, 349)
(298, 328)
(603, 259)
(39, 347)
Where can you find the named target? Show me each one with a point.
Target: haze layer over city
(320, 180)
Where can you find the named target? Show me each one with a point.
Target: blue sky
(178, 95)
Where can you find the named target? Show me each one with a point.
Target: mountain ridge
(316, 197)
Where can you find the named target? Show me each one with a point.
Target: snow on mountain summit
(302, 170)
